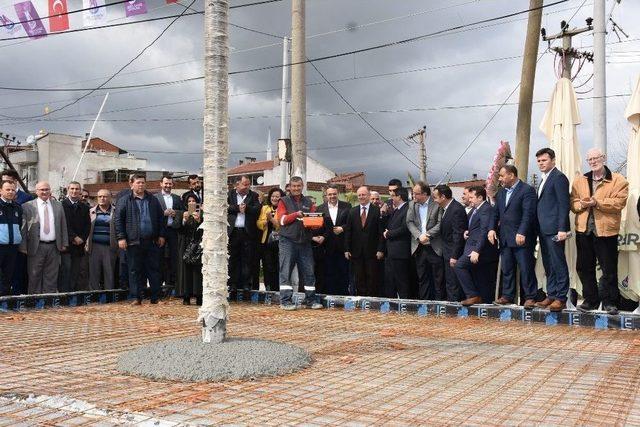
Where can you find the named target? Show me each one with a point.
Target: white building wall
(316, 172)
(58, 156)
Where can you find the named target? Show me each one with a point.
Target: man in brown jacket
(597, 199)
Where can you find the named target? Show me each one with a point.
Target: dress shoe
(137, 302)
(610, 309)
(529, 304)
(471, 301)
(544, 303)
(503, 301)
(585, 306)
(186, 301)
(557, 305)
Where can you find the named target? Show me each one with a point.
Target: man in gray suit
(423, 221)
(173, 210)
(45, 231)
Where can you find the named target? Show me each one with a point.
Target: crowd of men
(48, 245)
(433, 247)
(418, 244)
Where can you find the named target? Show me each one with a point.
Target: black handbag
(193, 252)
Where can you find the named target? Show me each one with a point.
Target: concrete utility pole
(214, 311)
(284, 123)
(567, 52)
(298, 95)
(527, 82)
(422, 151)
(599, 77)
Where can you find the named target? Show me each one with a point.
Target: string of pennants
(95, 13)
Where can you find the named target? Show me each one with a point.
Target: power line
(365, 121)
(70, 119)
(380, 46)
(486, 125)
(399, 42)
(76, 30)
(114, 75)
(114, 4)
(63, 14)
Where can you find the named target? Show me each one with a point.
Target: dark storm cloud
(75, 59)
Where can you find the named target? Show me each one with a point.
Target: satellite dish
(260, 180)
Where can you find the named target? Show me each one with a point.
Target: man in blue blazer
(514, 217)
(553, 226)
(473, 268)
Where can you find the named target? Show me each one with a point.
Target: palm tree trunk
(214, 311)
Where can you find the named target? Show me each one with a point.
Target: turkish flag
(58, 18)
(172, 1)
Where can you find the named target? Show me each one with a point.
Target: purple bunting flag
(135, 7)
(30, 20)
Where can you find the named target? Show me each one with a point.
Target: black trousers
(430, 270)
(336, 273)
(170, 264)
(454, 290)
(366, 275)
(8, 255)
(270, 264)
(319, 263)
(242, 251)
(605, 251)
(397, 283)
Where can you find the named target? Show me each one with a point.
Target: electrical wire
(486, 125)
(114, 75)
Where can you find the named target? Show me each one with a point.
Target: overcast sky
(86, 59)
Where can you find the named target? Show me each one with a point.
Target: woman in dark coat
(191, 269)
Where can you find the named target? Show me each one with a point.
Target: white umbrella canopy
(629, 259)
(559, 126)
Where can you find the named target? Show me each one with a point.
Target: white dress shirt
(240, 218)
(544, 180)
(333, 212)
(51, 236)
(168, 201)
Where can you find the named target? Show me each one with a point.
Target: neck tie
(46, 228)
(473, 212)
(363, 215)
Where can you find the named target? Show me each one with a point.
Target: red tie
(363, 216)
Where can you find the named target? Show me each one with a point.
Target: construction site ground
(58, 367)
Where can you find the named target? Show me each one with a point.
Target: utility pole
(527, 82)
(599, 77)
(298, 95)
(422, 153)
(284, 125)
(567, 52)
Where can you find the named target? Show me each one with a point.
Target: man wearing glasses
(45, 237)
(597, 199)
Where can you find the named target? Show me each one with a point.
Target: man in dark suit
(173, 210)
(553, 226)
(453, 224)
(335, 266)
(242, 217)
(363, 243)
(423, 221)
(397, 280)
(195, 189)
(474, 267)
(75, 266)
(514, 227)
